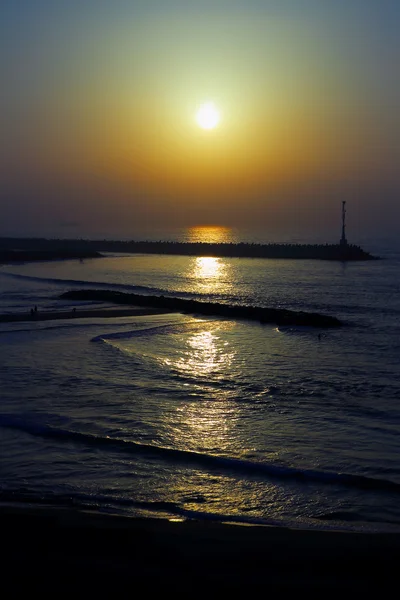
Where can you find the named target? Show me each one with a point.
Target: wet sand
(43, 547)
(82, 313)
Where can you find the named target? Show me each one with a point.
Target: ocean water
(181, 416)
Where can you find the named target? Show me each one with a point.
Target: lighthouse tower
(343, 241)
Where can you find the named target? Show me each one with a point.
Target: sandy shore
(81, 313)
(98, 552)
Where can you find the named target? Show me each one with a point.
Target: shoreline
(89, 548)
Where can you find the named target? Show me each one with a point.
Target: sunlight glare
(210, 234)
(208, 267)
(207, 116)
(210, 275)
(206, 355)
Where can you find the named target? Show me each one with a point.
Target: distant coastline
(91, 248)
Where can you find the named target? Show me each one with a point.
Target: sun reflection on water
(206, 359)
(210, 275)
(211, 234)
(208, 267)
(205, 355)
(206, 428)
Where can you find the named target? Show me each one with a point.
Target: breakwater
(339, 252)
(278, 316)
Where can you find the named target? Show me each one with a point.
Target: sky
(98, 102)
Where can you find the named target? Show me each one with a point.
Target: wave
(150, 330)
(107, 503)
(208, 461)
(351, 516)
(42, 326)
(83, 282)
(147, 290)
(125, 335)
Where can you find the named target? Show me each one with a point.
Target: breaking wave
(206, 461)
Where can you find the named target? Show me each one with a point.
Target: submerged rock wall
(253, 313)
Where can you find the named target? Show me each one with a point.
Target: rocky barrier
(279, 316)
(338, 252)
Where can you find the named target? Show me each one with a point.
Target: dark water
(178, 415)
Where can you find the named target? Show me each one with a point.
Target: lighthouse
(343, 241)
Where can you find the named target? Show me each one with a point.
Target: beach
(44, 545)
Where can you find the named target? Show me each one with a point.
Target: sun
(207, 116)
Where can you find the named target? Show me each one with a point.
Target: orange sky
(100, 131)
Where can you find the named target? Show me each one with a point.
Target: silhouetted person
(35, 309)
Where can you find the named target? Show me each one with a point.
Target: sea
(181, 416)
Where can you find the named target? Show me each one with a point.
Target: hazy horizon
(98, 117)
